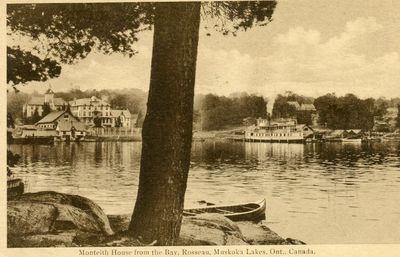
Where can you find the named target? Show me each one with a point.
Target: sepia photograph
(256, 127)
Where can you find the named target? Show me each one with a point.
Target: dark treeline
(216, 112)
(346, 112)
(212, 112)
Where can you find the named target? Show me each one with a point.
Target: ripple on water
(336, 189)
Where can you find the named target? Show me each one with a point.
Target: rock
(51, 219)
(209, 229)
(206, 229)
(60, 212)
(119, 223)
(213, 220)
(259, 234)
(292, 241)
(215, 229)
(30, 218)
(43, 240)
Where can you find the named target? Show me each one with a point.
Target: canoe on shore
(240, 212)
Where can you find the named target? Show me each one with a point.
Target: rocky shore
(51, 219)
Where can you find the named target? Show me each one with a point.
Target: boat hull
(242, 212)
(277, 140)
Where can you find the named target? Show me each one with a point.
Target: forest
(213, 112)
(335, 112)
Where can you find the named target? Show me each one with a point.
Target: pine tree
(46, 109)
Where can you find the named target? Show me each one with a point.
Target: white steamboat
(283, 131)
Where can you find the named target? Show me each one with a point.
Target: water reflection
(320, 193)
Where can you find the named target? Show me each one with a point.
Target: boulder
(210, 229)
(64, 239)
(204, 229)
(51, 219)
(30, 218)
(49, 211)
(259, 234)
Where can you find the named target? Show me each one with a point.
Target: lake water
(328, 193)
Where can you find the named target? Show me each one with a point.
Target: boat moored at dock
(283, 131)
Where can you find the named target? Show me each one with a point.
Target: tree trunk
(167, 128)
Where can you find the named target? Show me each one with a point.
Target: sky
(311, 48)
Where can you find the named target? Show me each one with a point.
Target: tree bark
(167, 128)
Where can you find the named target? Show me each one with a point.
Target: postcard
(186, 128)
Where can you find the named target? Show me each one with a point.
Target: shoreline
(52, 219)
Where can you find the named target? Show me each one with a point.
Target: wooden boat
(240, 212)
(15, 187)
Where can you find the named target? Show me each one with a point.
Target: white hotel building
(86, 109)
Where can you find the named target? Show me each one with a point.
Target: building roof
(49, 91)
(88, 101)
(117, 113)
(68, 125)
(51, 117)
(39, 100)
(307, 107)
(295, 104)
(355, 131)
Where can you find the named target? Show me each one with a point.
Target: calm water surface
(318, 193)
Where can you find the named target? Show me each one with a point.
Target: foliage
(65, 33)
(10, 121)
(97, 120)
(35, 117)
(15, 103)
(217, 112)
(132, 99)
(46, 109)
(118, 122)
(140, 119)
(304, 117)
(347, 112)
(398, 117)
(282, 109)
(72, 31)
(301, 99)
(23, 66)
